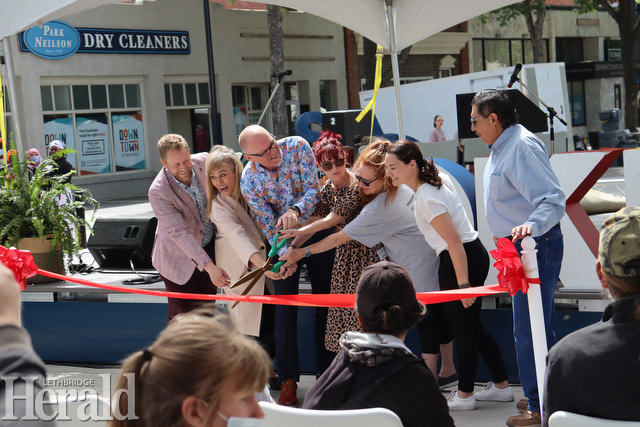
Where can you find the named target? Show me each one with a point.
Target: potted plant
(39, 205)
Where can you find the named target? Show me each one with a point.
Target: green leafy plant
(31, 207)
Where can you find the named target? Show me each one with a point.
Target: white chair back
(283, 416)
(569, 419)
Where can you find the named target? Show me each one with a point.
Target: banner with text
(129, 141)
(93, 140)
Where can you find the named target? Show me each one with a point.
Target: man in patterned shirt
(280, 185)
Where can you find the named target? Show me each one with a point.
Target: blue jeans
(550, 249)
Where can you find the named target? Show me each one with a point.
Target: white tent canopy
(411, 21)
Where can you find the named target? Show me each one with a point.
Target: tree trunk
(276, 52)
(535, 31)
(627, 21)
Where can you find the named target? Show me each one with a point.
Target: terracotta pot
(43, 257)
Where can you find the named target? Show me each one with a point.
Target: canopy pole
(12, 96)
(394, 66)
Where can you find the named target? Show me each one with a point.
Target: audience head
(618, 264)
(491, 113)
(370, 170)
(259, 146)
(330, 155)
(406, 165)
(199, 372)
(55, 146)
(12, 156)
(175, 156)
(438, 121)
(224, 170)
(34, 156)
(386, 299)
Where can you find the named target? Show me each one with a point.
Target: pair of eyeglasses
(366, 182)
(327, 166)
(474, 120)
(272, 146)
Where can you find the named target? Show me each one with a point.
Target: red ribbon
(511, 274)
(20, 263)
(23, 266)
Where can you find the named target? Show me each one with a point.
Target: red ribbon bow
(20, 263)
(511, 274)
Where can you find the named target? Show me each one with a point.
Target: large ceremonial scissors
(256, 274)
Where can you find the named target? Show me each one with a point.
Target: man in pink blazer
(184, 248)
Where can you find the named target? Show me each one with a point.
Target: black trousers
(471, 338)
(319, 268)
(198, 283)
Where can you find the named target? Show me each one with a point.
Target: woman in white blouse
(464, 262)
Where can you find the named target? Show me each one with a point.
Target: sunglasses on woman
(366, 182)
(327, 166)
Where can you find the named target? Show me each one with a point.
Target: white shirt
(431, 202)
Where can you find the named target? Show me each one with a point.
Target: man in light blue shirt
(522, 197)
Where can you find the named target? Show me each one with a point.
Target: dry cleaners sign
(57, 39)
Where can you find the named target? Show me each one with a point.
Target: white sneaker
(457, 403)
(494, 394)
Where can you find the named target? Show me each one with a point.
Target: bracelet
(464, 285)
(292, 246)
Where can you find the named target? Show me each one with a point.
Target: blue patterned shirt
(270, 193)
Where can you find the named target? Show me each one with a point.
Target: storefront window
(102, 123)
(490, 54)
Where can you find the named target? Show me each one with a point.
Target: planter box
(43, 257)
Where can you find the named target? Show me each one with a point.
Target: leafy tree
(625, 13)
(534, 12)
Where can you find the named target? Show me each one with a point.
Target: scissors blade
(246, 278)
(246, 290)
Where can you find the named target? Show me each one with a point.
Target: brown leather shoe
(526, 418)
(288, 393)
(522, 405)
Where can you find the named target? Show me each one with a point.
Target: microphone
(514, 76)
(281, 74)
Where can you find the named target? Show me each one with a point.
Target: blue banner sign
(53, 40)
(101, 40)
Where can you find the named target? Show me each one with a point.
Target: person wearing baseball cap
(595, 370)
(375, 368)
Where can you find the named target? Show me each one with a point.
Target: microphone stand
(552, 113)
(273, 94)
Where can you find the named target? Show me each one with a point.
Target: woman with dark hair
(437, 134)
(340, 202)
(464, 262)
(375, 368)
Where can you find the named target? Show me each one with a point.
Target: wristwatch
(307, 253)
(297, 209)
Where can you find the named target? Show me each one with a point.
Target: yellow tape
(376, 85)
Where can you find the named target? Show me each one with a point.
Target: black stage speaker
(344, 123)
(529, 115)
(116, 243)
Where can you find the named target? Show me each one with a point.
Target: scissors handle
(275, 246)
(276, 267)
